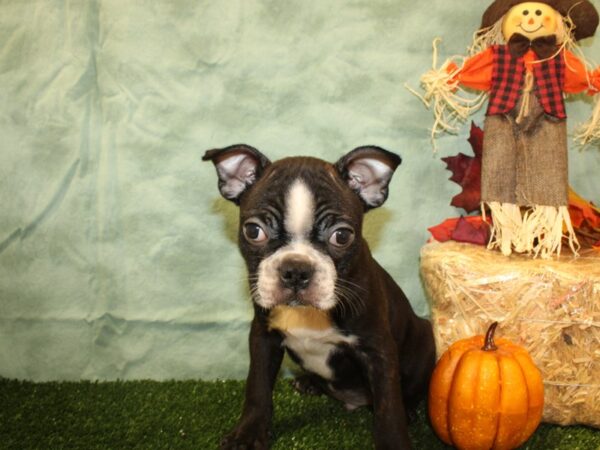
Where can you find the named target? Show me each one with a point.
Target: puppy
(318, 293)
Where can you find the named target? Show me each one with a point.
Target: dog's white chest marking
(310, 334)
(315, 347)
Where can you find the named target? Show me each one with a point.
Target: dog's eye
(253, 232)
(342, 237)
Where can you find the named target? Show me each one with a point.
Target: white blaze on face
(298, 224)
(300, 211)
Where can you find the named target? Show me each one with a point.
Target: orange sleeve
(577, 78)
(476, 72)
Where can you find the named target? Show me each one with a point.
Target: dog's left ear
(368, 171)
(238, 167)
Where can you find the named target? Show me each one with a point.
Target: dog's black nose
(296, 274)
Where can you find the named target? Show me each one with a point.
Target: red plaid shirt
(508, 77)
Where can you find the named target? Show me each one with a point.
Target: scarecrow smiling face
(581, 14)
(531, 19)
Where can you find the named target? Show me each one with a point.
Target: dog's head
(301, 219)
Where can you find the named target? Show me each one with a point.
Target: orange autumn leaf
(585, 217)
(583, 212)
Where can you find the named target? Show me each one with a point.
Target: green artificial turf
(195, 414)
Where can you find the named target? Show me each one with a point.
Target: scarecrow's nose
(531, 21)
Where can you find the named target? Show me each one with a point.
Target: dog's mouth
(289, 297)
(295, 301)
(280, 296)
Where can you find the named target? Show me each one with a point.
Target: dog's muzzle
(296, 275)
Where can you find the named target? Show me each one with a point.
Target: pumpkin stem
(490, 345)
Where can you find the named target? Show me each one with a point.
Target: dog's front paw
(245, 439)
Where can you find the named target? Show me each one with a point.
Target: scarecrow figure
(523, 59)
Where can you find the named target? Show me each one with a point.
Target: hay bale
(550, 307)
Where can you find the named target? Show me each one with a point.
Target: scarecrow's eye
(538, 13)
(526, 12)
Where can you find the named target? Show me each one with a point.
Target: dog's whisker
(354, 300)
(346, 307)
(349, 299)
(341, 305)
(347, 291)
(341, 297)
(351, 284)
(357, 301)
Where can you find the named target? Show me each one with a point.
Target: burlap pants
(525, 164)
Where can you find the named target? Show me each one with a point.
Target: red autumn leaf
(466, 172)
(476, 140)
(443, 231)
(470, 229)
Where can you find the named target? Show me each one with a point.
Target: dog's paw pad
(305, 386)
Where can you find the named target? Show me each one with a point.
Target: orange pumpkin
(485, 394)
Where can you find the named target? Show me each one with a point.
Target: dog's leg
(266, 354)
(380, 358)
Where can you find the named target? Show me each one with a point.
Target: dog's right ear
(238, 167)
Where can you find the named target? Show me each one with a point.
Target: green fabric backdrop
(117, 254)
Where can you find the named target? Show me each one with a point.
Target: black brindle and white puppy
(319, 294)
